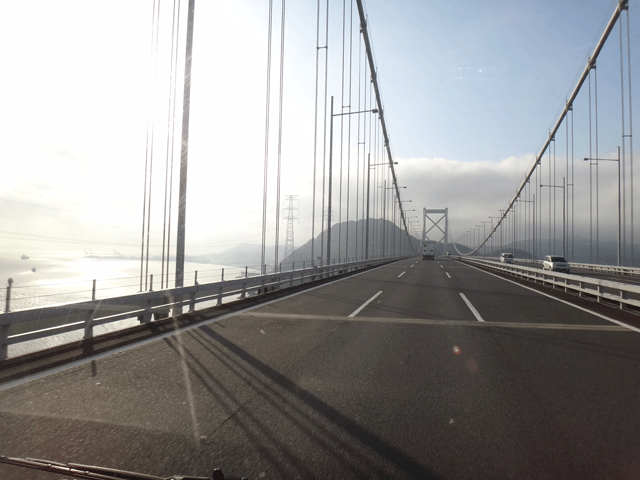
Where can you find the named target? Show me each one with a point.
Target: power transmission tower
(289, 245)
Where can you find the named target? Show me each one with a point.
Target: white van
(506, 258)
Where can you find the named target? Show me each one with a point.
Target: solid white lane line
(562, 301)
(448, 274)
(402, 274)
(472, 308)
(365, 304)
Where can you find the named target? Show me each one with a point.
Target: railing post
(4, 334)
(146, 315)
(244, 286)
(223, 274)
(93, 291)
(4, 329)
(88, 329)
(151, 282)
(7, 304)
(88, 325)
(192, 306)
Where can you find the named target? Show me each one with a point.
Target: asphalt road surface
(416, 370)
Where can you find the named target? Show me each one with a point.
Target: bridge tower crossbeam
(434, 223)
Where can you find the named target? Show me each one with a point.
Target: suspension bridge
(350, 356)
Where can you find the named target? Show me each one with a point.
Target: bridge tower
(289, 245)
(438, 216)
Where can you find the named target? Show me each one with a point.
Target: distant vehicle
(428, 250)
(506, 258)
(555, 263)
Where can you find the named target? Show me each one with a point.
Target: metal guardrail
(31, 324)
(626, 271)
(621, 294)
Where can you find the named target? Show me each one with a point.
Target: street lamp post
(484, 247)
(619, 195)
(564, 225)
(411, 222)
(478, 227)
(373, 110)
(393, 247)
(369, 166)
(400, 202)
(493, 241)
(533, 248)
(473, 231)
(384, 215)
(504, 219)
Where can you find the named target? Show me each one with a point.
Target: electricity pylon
(289, 245)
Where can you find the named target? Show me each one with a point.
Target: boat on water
(24, 257)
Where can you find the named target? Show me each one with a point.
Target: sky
(470, 91)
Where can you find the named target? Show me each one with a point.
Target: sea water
(46, 278)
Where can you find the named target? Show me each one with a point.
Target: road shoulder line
(604, 317)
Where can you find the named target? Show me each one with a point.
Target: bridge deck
(413, 386)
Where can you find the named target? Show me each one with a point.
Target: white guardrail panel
(627, 271)
(622, 294)
(30, 324)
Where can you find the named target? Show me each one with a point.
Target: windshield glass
(271, 237)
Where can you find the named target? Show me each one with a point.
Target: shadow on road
(291, 430)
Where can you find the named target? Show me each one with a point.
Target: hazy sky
(470, 91)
